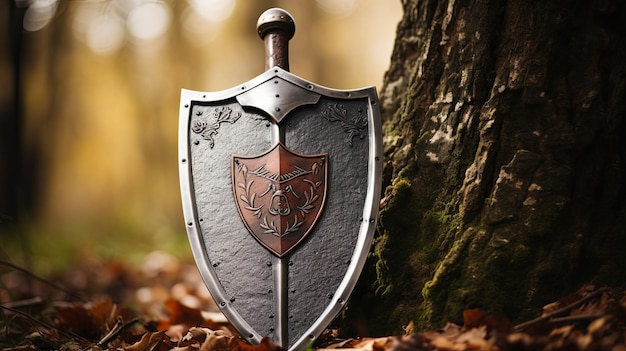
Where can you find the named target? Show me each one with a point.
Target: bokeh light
(213, 10)
(39, 14)
(149, 20)
(106, 34)
(337, 7)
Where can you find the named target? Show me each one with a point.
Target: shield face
(280, 184)
(280, 195)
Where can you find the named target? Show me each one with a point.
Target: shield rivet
(232, 299)
(271, 316)
(269, 264)
(271, 329)
(223, 304)
(293, 291)
(330, 296)
(216, 264)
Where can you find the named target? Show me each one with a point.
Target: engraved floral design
(353, 126)
(270, 228)
(312, 195)
(208, 130)
(248, 198)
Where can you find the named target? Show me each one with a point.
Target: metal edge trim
(191, 219)
(366, 233)
(286, 75)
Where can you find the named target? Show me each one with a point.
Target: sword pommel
(276, 26)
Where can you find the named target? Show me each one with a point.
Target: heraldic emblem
(280, 195)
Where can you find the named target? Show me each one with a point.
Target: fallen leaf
(473, 318)
(148, 342)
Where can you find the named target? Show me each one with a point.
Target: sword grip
(276, 26)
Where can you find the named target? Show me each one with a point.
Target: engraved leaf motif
(223, 114)
(355, 126)
(248, 198)
(270, 228)
(310, 197)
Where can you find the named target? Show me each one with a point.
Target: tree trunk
(504, 139)
(10, 45)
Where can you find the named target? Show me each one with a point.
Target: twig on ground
(582, 317)
(24, 303)
(119, 327)
(45, 281)
(560, 311)
(28, 317)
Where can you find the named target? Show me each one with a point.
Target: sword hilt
(276, 26)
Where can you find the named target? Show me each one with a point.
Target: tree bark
(504, 139)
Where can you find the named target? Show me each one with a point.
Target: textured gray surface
(239, 261)
(321, 262)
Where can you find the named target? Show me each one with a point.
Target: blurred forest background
(91, 171)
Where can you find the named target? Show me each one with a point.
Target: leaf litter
(164, 305)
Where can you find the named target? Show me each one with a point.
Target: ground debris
(166, 307)
(589, 320)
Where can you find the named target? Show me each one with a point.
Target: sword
(276, 27)
(301, 164)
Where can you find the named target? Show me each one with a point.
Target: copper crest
(280, 195)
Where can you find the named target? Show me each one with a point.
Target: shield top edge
(196, 95)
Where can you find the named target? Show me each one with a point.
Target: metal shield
(280, 183)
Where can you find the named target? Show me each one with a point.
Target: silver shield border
(369, 214)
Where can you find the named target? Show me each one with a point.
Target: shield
(280, 183)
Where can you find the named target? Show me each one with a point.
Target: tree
(506, 162)
(10, 41)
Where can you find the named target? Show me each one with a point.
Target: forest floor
(164, 305)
